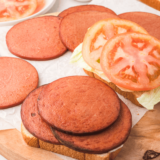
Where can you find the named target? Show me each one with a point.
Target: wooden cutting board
(144, 136)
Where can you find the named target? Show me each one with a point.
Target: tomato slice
(132, 61)
(16, 9)
(100, 33)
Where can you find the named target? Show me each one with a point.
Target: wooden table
(144, 136)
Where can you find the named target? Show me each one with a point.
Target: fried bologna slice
(17, 79)
(102, 142)
(148, 21)
(32, 120)
(85, 8)
(74, 26)
(78, 104)
(36, 39)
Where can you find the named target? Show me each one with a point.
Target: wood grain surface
(144, 136)
(13, 147)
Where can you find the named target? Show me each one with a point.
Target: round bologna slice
(17, 79)
(36, 39)
(148, 21)
(16, 9)
(85, 8)
(33, 121)
(102, 142)
(74, 26)
(132, 61)
(100, 33)
(78, 105)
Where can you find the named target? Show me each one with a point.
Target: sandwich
(94, 124)
(124, 56)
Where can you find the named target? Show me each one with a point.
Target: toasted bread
(61, 149)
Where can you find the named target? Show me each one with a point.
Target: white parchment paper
(51, 70)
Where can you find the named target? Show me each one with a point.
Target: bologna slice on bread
(85, 8)
(36, 39)
(78, 105)
(17, 79)
(32, 120)
(74, 26)
(102, 142)
(148, 21)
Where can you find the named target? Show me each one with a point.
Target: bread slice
(132, 96)
(61, 149)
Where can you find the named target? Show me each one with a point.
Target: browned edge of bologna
(32, 120)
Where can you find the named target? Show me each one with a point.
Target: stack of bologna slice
(78, 111)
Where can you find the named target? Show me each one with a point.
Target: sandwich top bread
(147, 49)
